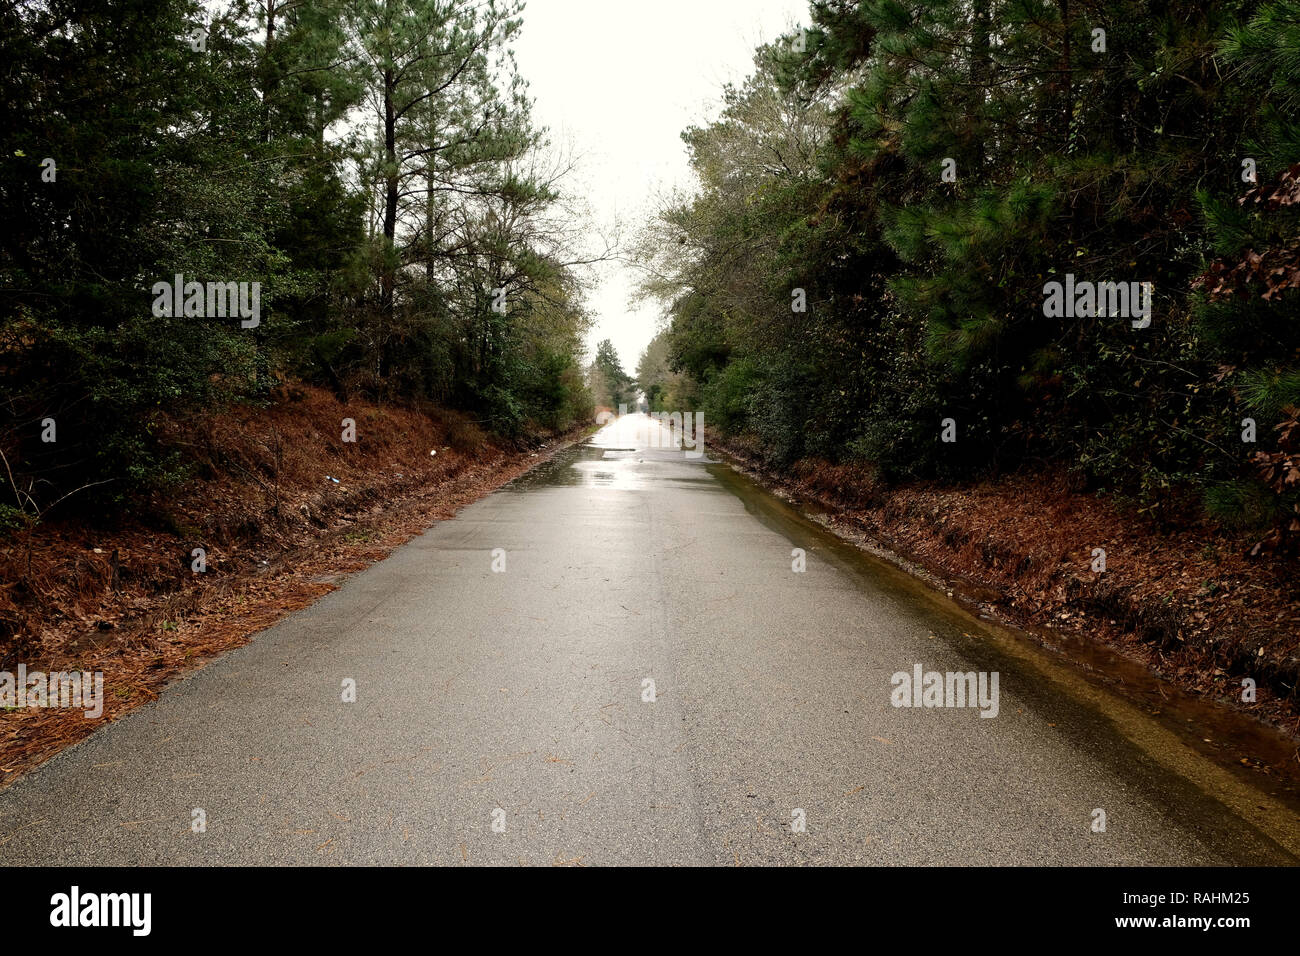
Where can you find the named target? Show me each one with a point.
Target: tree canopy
(883, 204)
(372, 165)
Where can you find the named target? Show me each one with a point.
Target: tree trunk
(268, 71)
(979, 76)
(388, 280)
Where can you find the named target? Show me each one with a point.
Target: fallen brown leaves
(1280, 472)
(1271, 272)
(1187, 603)
(277, 534)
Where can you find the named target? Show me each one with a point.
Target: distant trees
(883, 201)
(610, 385)
(372, 164)
(665, 389)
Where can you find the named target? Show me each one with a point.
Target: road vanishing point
(612, 660)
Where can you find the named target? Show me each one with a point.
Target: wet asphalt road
(516, 697)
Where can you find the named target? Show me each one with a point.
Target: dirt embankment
(1189, 604)
(282, 508)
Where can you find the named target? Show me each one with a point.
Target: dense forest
(953, 239)
(359, 182)
(943, 239)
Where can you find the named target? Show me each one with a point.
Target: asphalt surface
(516, 697)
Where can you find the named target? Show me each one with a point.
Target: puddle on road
(609, 460)
(583, 465)
(1112, 708)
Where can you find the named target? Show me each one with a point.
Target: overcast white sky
(618, 80)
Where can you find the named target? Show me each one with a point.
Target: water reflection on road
(631, 452)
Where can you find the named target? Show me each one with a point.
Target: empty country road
(613, 661)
